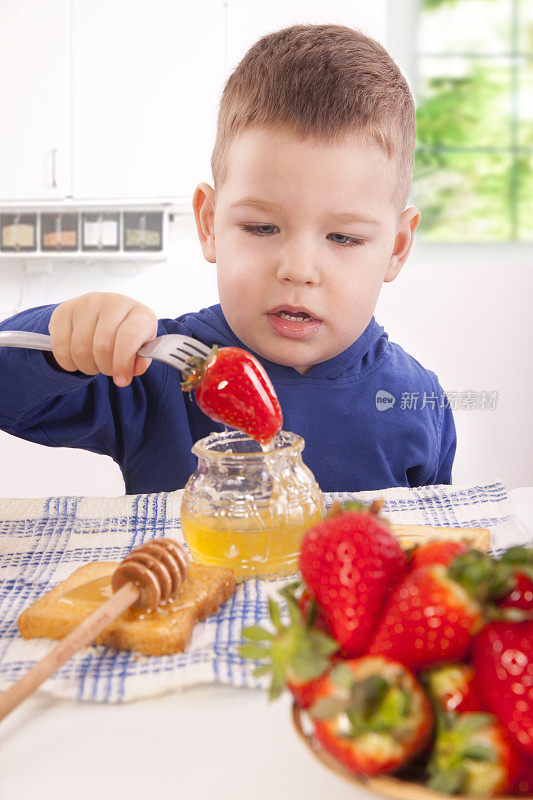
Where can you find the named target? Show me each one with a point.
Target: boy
(312, 169)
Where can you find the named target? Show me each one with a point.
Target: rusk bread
(165, 631)
(410, 535)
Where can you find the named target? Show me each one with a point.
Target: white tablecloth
(212, 742)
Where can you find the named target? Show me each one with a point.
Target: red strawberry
(436, 551)
(503, 659)
(297, 655)
(372, 715)
(349, 562)
(232, 387)
(472, 754)
(429, 618)
(452, 687)
(524, 782)
(521, 595)
(435, 610)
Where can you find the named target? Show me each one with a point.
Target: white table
(211, 742)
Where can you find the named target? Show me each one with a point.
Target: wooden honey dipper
(149, 576)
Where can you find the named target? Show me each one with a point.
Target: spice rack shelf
(92, 231)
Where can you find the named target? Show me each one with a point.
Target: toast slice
(410, 535)
(162, 632)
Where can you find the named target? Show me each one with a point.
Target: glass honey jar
(248, 506)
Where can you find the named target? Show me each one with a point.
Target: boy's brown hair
(322, 82)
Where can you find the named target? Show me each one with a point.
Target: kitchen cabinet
(147, 78)
(34, 99)
(107, 100)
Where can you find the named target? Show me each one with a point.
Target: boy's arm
(50, 406)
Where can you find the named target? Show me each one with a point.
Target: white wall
(463, 312)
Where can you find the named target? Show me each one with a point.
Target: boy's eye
(350, 241)
(259, 230)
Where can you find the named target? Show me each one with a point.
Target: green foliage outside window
(473, 177)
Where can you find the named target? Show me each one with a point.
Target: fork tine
(197, 349)
(174, 349)
(180, 363)
(183, 355)
(205, 348)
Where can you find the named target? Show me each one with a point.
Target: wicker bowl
(384, 786)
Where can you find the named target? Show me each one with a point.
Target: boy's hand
(101, 332)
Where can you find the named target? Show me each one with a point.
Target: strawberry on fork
(232, 387)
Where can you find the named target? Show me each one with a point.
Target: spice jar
(248, 508)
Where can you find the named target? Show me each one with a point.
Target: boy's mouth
(293, 322)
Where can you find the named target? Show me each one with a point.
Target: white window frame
(402, 28)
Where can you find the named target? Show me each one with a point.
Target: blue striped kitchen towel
(44, 540)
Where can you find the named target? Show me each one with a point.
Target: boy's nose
(299, 265)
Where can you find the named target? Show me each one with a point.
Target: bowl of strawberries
(411, 671)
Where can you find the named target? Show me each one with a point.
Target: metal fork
(171, 348)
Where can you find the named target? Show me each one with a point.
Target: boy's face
(298, 252)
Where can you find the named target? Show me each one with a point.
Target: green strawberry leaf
(445, 720)
(254, 651)
(355, 505)
(289, 590)
(479, 752)
(519, 554)
(256, 633)
(321, 643)
(342, 677)
(275, 616)
(449, 781)
(294, 611)
(278, 681)
(507, 613)
(367, 693)
(327, 707)
(264, 669)
(312, 613)
(308, 667)
(484, 577)
(471, 722)
(295, 652)
(396, 704)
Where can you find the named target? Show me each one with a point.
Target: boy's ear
(203, 203)
(405, 237)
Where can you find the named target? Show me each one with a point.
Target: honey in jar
(247, 507)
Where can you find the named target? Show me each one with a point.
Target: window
(472, 76)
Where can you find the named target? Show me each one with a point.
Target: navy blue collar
(354, 359)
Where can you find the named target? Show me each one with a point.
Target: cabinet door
(147, 81)
(34, 99)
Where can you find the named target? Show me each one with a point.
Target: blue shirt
(371, 417)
